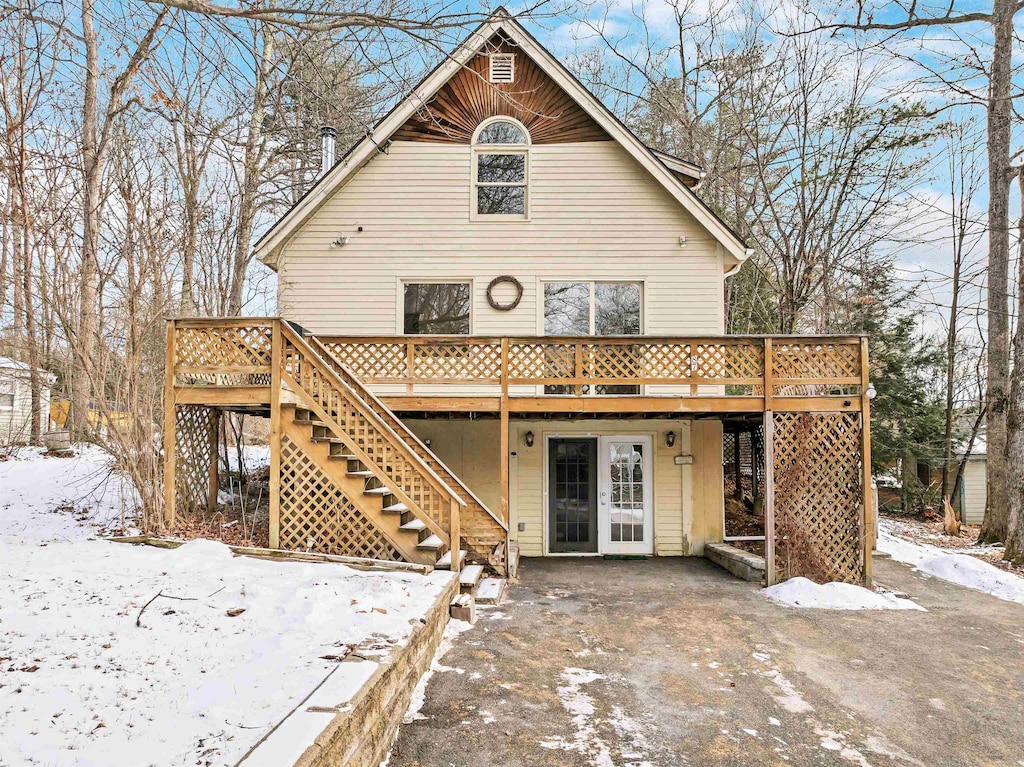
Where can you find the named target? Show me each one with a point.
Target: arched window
(501, 169)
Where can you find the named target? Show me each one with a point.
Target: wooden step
(309, 422)
(342, 457)
(331, 440)
(377, 491)
(396, 508)
(490, 591)
(360, 473)
(470, 577)
(445, 561)
(433, 542)
(414, 525)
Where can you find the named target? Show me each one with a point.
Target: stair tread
(445, 561)
(416, 524)
(490, 591)
(360, 473)
(342, 457)
(396, 507)
(333, 440)
(377, 491)
(471, 575)
(433, 542)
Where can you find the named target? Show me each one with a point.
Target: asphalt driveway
(674, 662)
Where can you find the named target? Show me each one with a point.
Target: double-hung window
(501, 170)
(6, 393)
(593, 308)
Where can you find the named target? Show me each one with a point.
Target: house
(503, 321)
(16, 401)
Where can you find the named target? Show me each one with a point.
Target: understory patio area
(675, 662)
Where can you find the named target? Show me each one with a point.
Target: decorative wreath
(499, 281)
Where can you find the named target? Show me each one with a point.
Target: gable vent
(503, 67)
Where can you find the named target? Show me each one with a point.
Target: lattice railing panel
(446, 360)
(818, 496)
(533, 361)
(728, 361)
(223, 346)
(372, 361)
(315, 515)
(194, 453)
(815, 361)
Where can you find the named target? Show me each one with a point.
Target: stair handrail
(343, 370)
(436, 481)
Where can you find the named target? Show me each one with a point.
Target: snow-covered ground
(962, 569)
(801, 592)
(88, 680)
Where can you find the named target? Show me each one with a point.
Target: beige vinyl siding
(974, 491)
(594, 214)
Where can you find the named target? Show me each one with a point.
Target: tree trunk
(250, 174)
(999, 125)
(1014, 535)
(85, 333)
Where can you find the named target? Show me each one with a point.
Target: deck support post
(504, 445)
(737, 492)
(276, 361)
(455, 534)
(169, 427)
(770, 575)
(869, 511)
(212, 492)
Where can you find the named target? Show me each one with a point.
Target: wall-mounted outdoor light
(427, 443)
(670, 439)
(529, 439)
(871, 392)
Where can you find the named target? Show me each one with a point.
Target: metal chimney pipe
(327, 136)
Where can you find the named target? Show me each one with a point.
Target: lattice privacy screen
(195, 448)
(316, 515)
(818, 496)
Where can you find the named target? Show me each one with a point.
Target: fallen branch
(138, 618)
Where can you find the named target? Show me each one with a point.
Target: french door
(625, 497)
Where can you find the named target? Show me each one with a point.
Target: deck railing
(236, 352)
(796, 366)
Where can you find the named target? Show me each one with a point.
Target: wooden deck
(810, 391)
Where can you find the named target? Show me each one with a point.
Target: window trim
(400, 301)
(9, 388)
(479, 149)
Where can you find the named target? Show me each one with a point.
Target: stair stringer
(352, 488)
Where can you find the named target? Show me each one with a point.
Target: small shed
(972, 497)
(16, 401)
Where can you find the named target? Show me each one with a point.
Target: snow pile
(961, 569)
(226, 647)
(801, 592)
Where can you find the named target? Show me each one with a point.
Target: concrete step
(432, 542)
(445, 561)
(463, 608)
(413, 526)
(470, 578)
(490, 591)
(742, 564)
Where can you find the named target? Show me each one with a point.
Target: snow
(254, 457)
(801, 592)
(84, 685)
(961, 569)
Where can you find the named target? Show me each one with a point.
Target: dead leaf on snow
(234, 612)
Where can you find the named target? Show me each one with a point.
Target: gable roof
(667, 170)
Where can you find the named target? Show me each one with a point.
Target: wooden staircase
(376, 486)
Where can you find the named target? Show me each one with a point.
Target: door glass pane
(572, 492)
(626, 461)
(440, 308)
